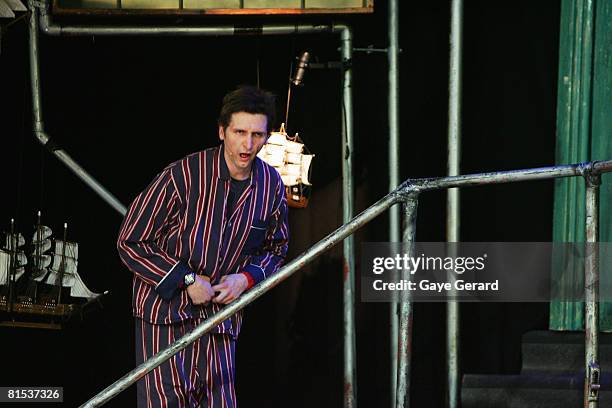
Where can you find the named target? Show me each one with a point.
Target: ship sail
(306, 161)
(14, 241)
(79, 289)
(41, 233)
(12, 258)
(63, 270)
(41, 244)
(5, 266)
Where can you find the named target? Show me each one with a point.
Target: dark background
(125, 107)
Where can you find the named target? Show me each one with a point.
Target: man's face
(243, 139)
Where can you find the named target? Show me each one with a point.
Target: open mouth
(244, 156)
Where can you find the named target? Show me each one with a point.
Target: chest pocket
(255, 240)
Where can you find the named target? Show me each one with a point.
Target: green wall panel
(584, 133)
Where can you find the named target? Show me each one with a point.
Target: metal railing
(408, 193)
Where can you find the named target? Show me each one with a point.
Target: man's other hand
(200, 291)
(230, 287)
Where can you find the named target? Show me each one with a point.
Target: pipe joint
(406, 191)
(590, 174)
(347, 64)
(39, 128)
(38, 4)
(46, 141)
(44, 18)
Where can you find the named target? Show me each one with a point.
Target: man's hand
(200, 291)
(230, 287)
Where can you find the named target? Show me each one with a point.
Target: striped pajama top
(180, 223)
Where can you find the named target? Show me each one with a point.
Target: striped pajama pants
(201, 375)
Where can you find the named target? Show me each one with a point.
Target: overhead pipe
(453, 203)
(393, 159)
(49, 27)
(39, 132)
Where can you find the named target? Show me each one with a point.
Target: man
(207, 228)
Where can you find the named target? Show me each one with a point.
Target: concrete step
(552, 375)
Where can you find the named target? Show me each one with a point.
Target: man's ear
(221, 133)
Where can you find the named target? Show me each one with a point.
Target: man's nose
(248, 142)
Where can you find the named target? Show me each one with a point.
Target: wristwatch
(189, 279)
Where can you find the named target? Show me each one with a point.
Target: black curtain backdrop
(124, 107)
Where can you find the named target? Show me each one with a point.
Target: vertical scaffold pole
(350, 376)
(35, 68)
(405, 321)
(393, 155)
(452, 205)
(591, 293)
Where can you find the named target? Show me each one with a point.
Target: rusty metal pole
(350, 370)
(591, 292)
(405, 323)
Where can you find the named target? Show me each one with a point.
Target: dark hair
(248, 99)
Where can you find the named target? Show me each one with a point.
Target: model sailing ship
(289, 156)
(48, 287)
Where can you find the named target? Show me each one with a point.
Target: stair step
(552, 375)
(561, 351)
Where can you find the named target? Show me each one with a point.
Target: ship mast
(32, 284)
(12, 249)
(62, 268)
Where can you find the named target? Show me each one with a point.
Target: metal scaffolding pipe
(80, 172)
(350, 370)
(248, 297)
(35, 69)
(405, 322)
(500, 177)
(393, 158)
(453, 203)
(49, 27)
(591, 293)
(585, 21)
(41, 136)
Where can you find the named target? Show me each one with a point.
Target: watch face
(189, 279)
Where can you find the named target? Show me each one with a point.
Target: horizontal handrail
(510, 176)
(400, 194)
